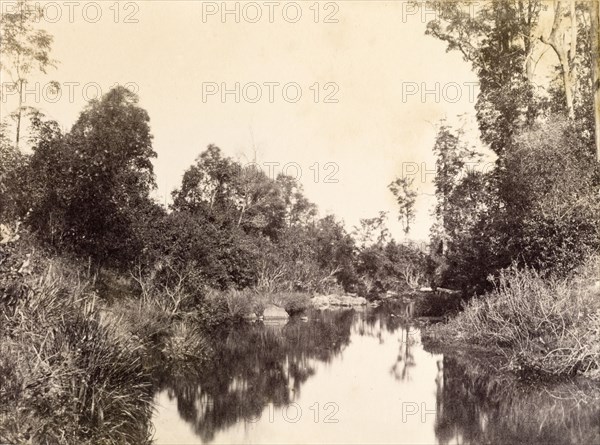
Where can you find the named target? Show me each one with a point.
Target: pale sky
(177, 51)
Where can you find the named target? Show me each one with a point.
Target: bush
(238, 304)
(539, 207)
(235, 305)
(293, 302)
(546, 325)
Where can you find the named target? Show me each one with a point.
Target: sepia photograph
(299, 222)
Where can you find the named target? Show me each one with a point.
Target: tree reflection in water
(258, 365)
(255, 365)
(390, 317)
(475, 406)
(405, 360)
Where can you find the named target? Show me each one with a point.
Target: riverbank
(80, 354)
(73, 369)
(540, 326)
(89, 351)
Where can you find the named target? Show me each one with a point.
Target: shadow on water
(387, 387)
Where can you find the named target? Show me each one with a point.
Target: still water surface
(350, 376)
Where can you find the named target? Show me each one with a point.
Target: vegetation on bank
(106, 285)
(521, 188)
(68, 370)
(518, 208)
(76, 366)
(545, 326)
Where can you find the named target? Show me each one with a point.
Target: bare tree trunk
(571, 54)
(241, 214)
(569, 84)
(595, 33)
(527, 17)
(566, 57)
(19, 113)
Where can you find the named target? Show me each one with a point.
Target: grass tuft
(542, 325)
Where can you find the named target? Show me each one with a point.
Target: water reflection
(476, 406)
(256, 365)
(405, 359)
(360, 377)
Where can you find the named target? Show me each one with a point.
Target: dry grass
(185, 344)
(551, 326)
(67, 373)
(75, 368)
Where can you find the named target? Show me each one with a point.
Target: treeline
(540, 206)
(527, 232)
(104, 290)
(87, 193)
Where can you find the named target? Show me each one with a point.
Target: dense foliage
(87, 193)
(539, 205)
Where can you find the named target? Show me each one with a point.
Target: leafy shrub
(538, 207)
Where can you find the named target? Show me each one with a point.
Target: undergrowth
(544, 325)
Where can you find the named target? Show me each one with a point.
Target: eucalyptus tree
(405, 194)
(498, 39)
(24, 49)
(594, 6)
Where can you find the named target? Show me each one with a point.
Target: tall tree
(23, 49)
(497, 38)
(563, 40)
(258, 201)
(208, 184)
(402, 189)
(298, 209)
